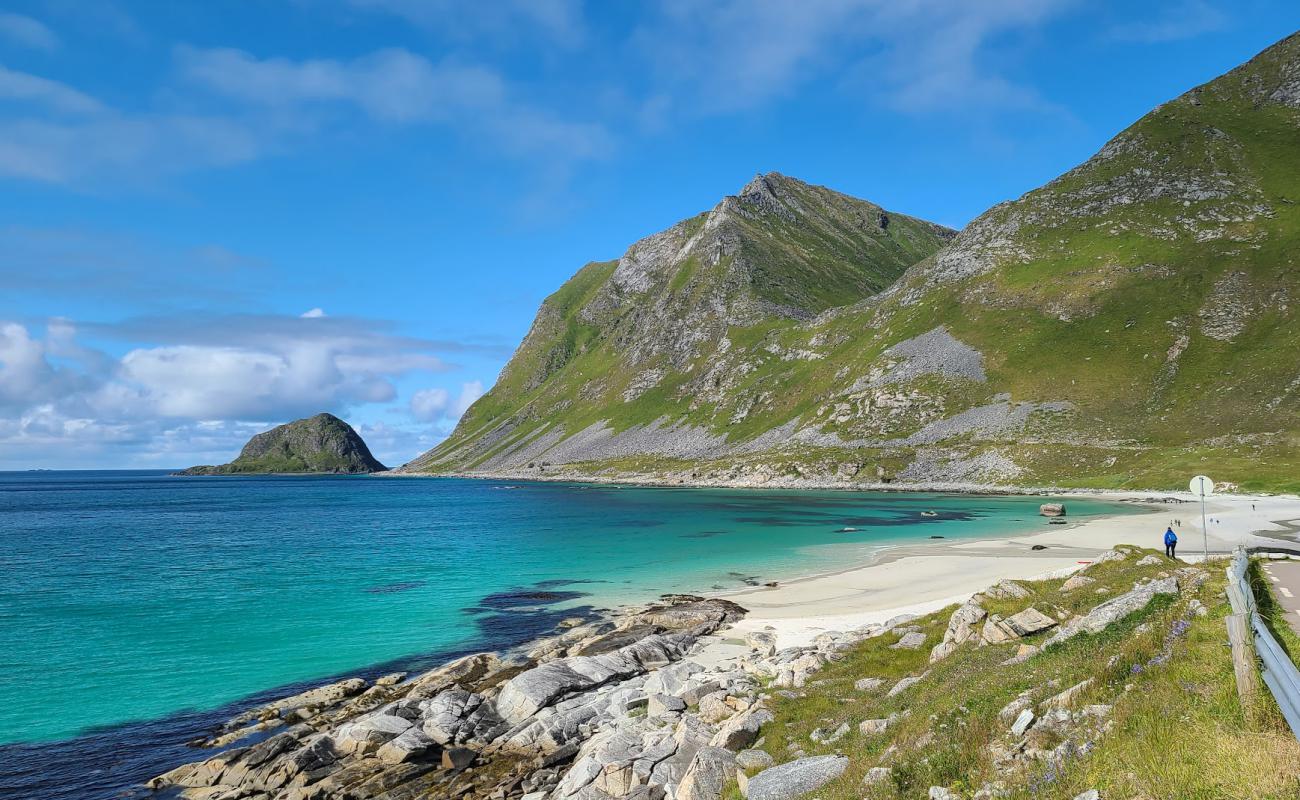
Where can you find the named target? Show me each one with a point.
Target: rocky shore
(633, 707)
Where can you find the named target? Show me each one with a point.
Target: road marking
(1285, 591)
(1274, 580)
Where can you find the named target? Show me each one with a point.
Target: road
(1285, 577)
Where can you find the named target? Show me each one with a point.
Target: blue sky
(217, 216)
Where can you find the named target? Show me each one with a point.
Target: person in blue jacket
(1171, 542)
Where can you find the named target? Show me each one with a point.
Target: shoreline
(921, 578)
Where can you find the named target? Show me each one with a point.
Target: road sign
(1202, 487)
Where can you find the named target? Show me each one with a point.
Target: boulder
(876, 775)
(794, 779)
(1052, 509)
(868, 684)
(942, 793)
(829, 736)
(1110, 555)
(457, 757)
(753, 759)
(1025, 623)
(1150, 561)
(659, 704)
(762, 641)
(1077, 582)
(411, 744)
(872, 727)
(1117, 608)
(713, 707)
(670, 680)
(741, 731)
(528, 692)
(707, 775)
(961, 628)
(1066, 698)
(905, 684)
(368, 734)
(1006, 590)
(909, 641)
(1022, 723)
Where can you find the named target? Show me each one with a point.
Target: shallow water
(138, 608)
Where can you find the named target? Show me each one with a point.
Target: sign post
(1202, 487)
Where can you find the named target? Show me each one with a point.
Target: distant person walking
(1171, 542)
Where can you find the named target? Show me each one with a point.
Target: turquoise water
(133, 596)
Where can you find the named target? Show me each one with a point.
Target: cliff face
(323, 443)
(1128, 322)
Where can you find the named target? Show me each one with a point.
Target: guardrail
(1276, 667)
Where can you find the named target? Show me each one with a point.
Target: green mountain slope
(625, 343)
(323, 443)
(1127, 324)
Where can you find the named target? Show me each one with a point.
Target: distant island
(320, 444)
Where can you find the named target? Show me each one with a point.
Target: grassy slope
(572, 369)
(1178, 729)
(1088, 316)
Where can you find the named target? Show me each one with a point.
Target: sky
(220, 216)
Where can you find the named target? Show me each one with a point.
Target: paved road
(1285, 576)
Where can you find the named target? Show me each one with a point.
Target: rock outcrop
(322, 444)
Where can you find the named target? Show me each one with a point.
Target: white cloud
(22, 87)
(556, 21)
(918, 55)
(27, 32)
(72, 264)
(314, 313)
(1183, 20)
(396, 86)
(430, 405)
(63, 135)
(64, 396)
(469, 392)
(435, 404)
(123, 146)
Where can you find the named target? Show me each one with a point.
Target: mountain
(1128, 324)
(323, 443)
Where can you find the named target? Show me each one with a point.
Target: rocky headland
(320, 444)
(668, 701)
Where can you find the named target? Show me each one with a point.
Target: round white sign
(1201, 486)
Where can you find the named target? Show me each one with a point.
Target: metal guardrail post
(1276, 667)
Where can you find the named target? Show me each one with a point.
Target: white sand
(922, 578)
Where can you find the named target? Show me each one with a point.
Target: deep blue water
(139, 609)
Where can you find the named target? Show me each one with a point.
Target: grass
(1176, 729)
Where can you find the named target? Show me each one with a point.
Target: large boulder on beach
(530, 691)
(1052, 509)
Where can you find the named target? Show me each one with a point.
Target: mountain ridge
(1118, 326)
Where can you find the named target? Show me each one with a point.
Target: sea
(139, 610)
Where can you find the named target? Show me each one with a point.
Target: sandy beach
(918, 579)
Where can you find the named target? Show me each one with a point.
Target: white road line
(1274, 580)
(1285, 591)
